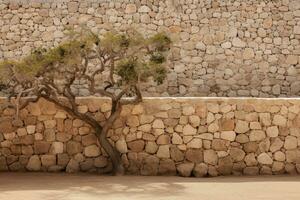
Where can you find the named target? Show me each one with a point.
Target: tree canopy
(113, 65)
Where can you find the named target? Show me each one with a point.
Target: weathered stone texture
(223, 48)
(247, 136)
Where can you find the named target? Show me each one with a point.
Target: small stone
(272, 131)
(195, 143)
(176, 154)
(237, 154)
(228, 135)
(30, 129)
(185, 169)
(248, 54)
(279, 156)
(219, 145)
(158, 123)
(212, 107)
(144, 9)
(290, 142)
(130, 9)
(91, 151)
(151, 147)
(56, 148)
(163, 151)
(189, 130)
(136, 146)
(276, 145)
(264, 159)
(257, 135)
(241, 127)
(176, 139)
(41, 147)
(133, 121)
(137, 110)
(194, 155)
(210, 157)
(279, 120)
(225, 165)
(121, 146)
(200, 170)
(73, 166)
(188, 110)
(250, 159)
(167, 167)
(34, 163)
(236, 42)
(48, 160)
(226, 45)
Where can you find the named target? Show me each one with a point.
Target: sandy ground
(44, 186)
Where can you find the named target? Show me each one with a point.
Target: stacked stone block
(221, 47)
(161, 136)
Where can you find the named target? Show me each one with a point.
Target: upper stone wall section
(221, 47)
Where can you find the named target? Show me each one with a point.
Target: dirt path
(44, 186)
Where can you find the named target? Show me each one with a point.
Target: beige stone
(137, 110)
(158, 123)
(257, 135)
(92, 151)
(195, 143)
(189, 130)
(264, 159)
(276, 145)
(194, 155)
(237, 154)
(188, 110)
(290, 142)
(248, 54)
(241, 127)
(121, 146)
(136, 146)
(31, 129)
(176, 139)
(210, 157)
(200, 170)
(146, 119)
(185, 169)
(130, 8)
(272, 131)
(132, 121)
(250, 159)
(34, 163)
(151, 147)
(48, 160)
(228, 135)
(279, 120)
(194, 120)
(56, 148)
(279, 156)
(163, 151)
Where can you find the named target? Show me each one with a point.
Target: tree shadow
(96, 186)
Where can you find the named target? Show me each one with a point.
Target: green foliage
(133, 57)
(161, 42)
(127, 69)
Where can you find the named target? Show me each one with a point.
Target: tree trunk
(114, 155)
(101, 132)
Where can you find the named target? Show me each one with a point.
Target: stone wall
(161, 136)
(221, 47)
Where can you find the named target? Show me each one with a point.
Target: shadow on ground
(91, 186)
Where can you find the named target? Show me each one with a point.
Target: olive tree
(113, 65)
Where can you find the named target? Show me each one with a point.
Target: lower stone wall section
(161, 136)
